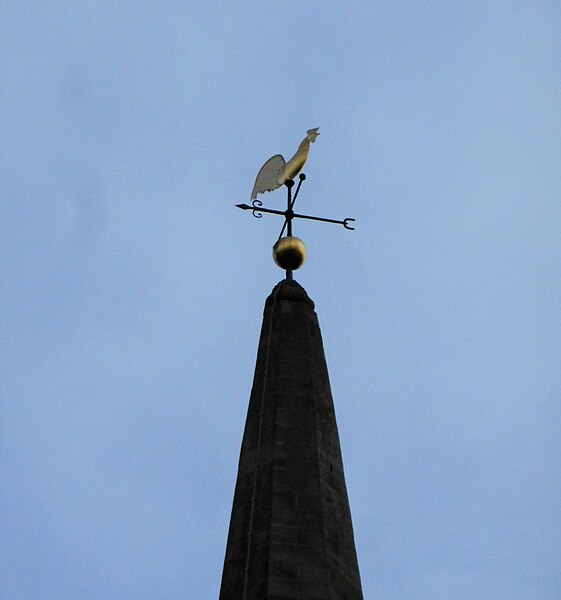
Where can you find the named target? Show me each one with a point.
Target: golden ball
(290, 253)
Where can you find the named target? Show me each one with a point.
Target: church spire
(290, 534)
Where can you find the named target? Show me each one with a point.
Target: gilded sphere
(290, 253)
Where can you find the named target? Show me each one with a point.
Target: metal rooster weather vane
(288, 252)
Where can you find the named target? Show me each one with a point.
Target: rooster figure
(276, 170)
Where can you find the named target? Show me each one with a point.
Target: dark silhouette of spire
(291, 535)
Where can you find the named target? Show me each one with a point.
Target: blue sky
(132, 289)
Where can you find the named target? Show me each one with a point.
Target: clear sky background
(132, 289)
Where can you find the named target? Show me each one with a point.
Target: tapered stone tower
(291, 535)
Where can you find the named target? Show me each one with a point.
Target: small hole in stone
(331, 467)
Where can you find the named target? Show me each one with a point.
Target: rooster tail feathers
(269, 176)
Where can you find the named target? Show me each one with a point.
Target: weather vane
(289, 252)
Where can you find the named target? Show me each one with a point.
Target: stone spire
(291, 535)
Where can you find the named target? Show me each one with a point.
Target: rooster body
(276, 170)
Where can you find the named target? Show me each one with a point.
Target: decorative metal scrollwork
(256, 204)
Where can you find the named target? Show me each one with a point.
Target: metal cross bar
(344, 222)
(289, 214)
(259, 209)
